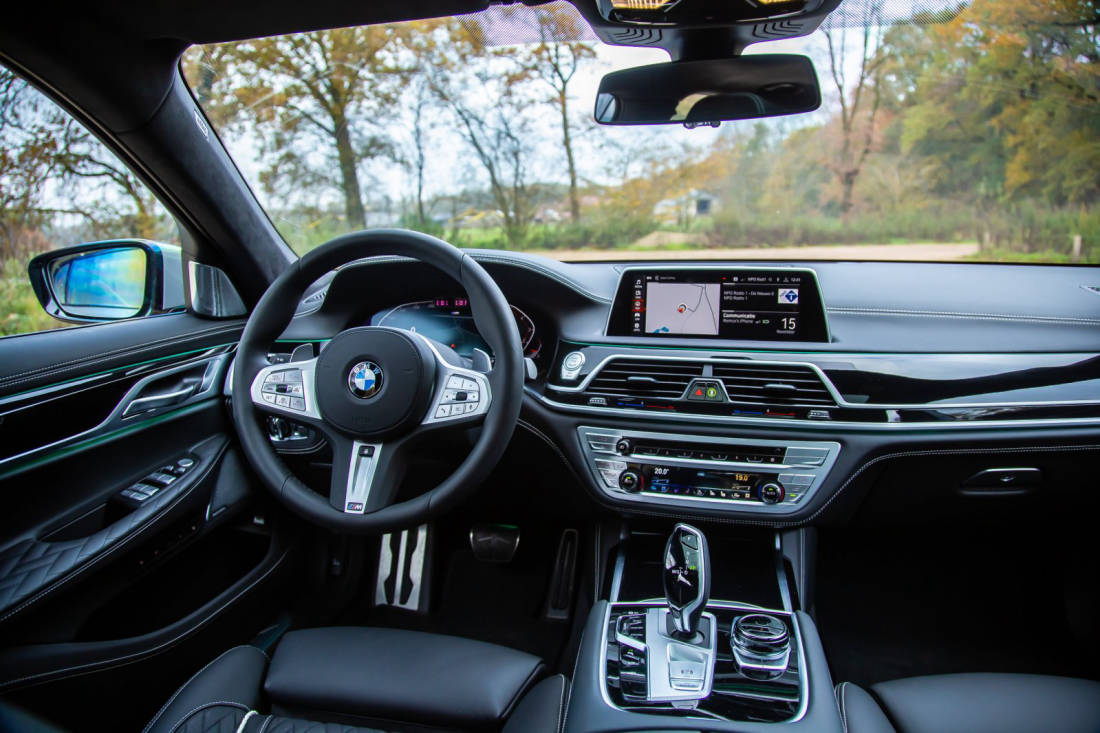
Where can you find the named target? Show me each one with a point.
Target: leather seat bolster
(389, 673)
(1001, 703)
(227, 686)
(542, 709)
(859, 712)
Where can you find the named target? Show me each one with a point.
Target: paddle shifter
(687, 581)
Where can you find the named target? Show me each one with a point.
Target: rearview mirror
(108, 281)
(709, 92)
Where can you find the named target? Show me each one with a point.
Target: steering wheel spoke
(365, 475)
(288, 389)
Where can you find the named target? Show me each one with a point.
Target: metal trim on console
(803, 685)
(757, 422)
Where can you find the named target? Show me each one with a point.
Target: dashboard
(761, 392)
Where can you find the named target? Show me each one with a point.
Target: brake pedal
(402, 570)
(496, 543)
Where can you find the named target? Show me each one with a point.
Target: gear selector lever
(686, 581)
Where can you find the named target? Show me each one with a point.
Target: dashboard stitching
(854, 476)
(962, 314)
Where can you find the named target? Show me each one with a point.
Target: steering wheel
(373, 390)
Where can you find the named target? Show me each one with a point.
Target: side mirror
(710, 91)
(108, 281)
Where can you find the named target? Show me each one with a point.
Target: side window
(82, 240)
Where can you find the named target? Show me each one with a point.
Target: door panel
(91, 578)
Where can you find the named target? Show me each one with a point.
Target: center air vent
(772, 384)
(638, 378)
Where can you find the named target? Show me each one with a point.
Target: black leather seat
(974, 703)
(361, 680)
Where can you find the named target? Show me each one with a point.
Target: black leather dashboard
(923, 359)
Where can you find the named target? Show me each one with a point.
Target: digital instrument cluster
(450, 321)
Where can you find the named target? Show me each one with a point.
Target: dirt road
(919, 252)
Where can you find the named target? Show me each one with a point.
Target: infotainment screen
(780, 304)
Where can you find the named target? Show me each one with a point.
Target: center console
(676, 470)
(662, 654)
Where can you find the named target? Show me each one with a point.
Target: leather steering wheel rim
(493, 318)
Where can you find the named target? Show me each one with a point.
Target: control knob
(623, 447)
(772, 492)
(630, 481)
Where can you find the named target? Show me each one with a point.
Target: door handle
(165, 399)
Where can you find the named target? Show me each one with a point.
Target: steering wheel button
(469, 384)
(293, 375)
(269, 387)
(274, 378)
(297, 403)
(282, 400)
(443, 411)
(269, 398)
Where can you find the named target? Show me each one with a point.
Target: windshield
(970, 133)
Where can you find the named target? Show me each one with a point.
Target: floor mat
(498, 603)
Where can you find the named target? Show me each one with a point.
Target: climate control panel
(713, 473)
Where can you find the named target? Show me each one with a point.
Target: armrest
(398, 675)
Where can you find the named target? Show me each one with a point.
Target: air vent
(638, 378)
(772, 384)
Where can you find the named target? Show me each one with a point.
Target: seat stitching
(263, 726)
(228, 703)
(511, 705)
(844, 705)
(189, 681)
(569, 697)
(244, 720)
(561, 707)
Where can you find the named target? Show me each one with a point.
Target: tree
(494, 123)
(312, 99)
(1002, 106)
(856, 120)
(555, 60)
(50, 165)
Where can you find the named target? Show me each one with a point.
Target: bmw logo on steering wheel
(365, 379)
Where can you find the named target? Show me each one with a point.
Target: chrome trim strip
(210, 386)
(829, 386)
(760, 422)
(781, 575)
(723, 268)
(803, 682)
(360, 476)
